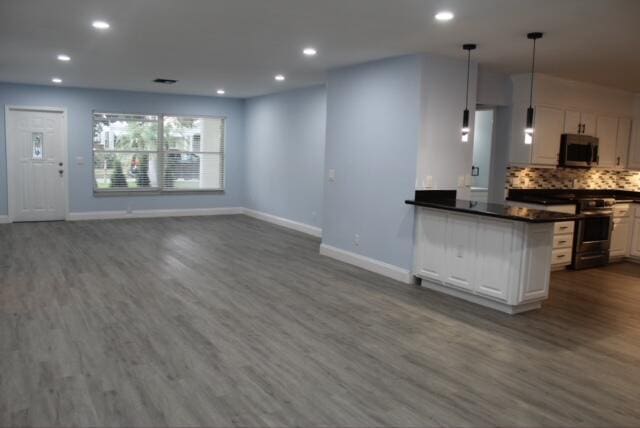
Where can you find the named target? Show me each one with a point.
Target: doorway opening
(482, 150)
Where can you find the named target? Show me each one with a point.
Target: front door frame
(10, 152)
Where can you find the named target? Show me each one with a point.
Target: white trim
(9, 151)
(373, 265)
(479, 300)
(189, 212)
(281, 221)
(4, 219)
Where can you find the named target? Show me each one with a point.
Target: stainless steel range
(593, 233)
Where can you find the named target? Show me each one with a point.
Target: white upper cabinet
(634, 149)
(622, 142)
(589, 124)
(549, 124)
(576, 122)
(572, 124)
(563, 106)
(607, 133)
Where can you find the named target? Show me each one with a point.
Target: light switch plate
(461, 181)
(79, 160)
(332, 175)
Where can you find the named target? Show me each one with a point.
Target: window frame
(160, 151)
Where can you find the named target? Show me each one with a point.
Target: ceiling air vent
(165, 81)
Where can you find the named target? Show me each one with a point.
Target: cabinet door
(430, 244)
(635, 241)
(620, 237)
(460, 252)
(622, 142)
(572, 122)
(589, 123)
(549, 124)
(633, 161)
(494, 241)
(608, 135)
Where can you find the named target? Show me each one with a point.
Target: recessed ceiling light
(444, 15)
(63, 57)
(56, 80)
(279, 77)
(221, 92)
(101, 25)
(309, 51)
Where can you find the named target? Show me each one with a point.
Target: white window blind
(157, 153)
(193, 153)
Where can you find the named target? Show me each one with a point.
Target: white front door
(36, 159)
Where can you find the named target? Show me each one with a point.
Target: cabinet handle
(561, 256)
(618, 161)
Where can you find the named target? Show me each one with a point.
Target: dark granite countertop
(495, 210)
(559, 196)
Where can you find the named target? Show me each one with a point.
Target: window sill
(117, 193)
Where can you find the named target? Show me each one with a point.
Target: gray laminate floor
(229, 321)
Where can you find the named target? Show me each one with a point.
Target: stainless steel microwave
(578, 150)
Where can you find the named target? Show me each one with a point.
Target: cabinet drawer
(564, 227)
(622, 210)
(561, 256)
(562, 241)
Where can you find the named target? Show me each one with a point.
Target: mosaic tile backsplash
(571, 178)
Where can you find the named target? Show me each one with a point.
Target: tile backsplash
(571, 178)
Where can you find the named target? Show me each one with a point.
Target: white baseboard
(189, 212)
(4, 219)
(367, 263)
(479, 300)
(281, 221)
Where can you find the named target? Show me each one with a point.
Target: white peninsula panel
(500, 263)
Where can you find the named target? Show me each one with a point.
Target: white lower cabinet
(429, 260)
(460, 252)
(620, 237)
(563, 233)
(492, 268)
(635, 240)
(502, 264)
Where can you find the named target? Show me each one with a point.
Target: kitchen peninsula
(490, 254)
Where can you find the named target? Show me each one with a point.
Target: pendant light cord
(468, 67)
(533, 67)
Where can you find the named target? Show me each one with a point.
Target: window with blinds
(157, 153)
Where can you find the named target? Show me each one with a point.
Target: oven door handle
(607, 213)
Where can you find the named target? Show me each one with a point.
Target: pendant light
(528, 130)
(465, 115)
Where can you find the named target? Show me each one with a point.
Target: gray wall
(373, 132)
(442, 155)
(81, 102)
(285, 154)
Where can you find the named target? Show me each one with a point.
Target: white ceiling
(241, 44)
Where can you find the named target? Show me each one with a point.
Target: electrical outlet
(461, 181)
(356, 239)
(428, 182)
